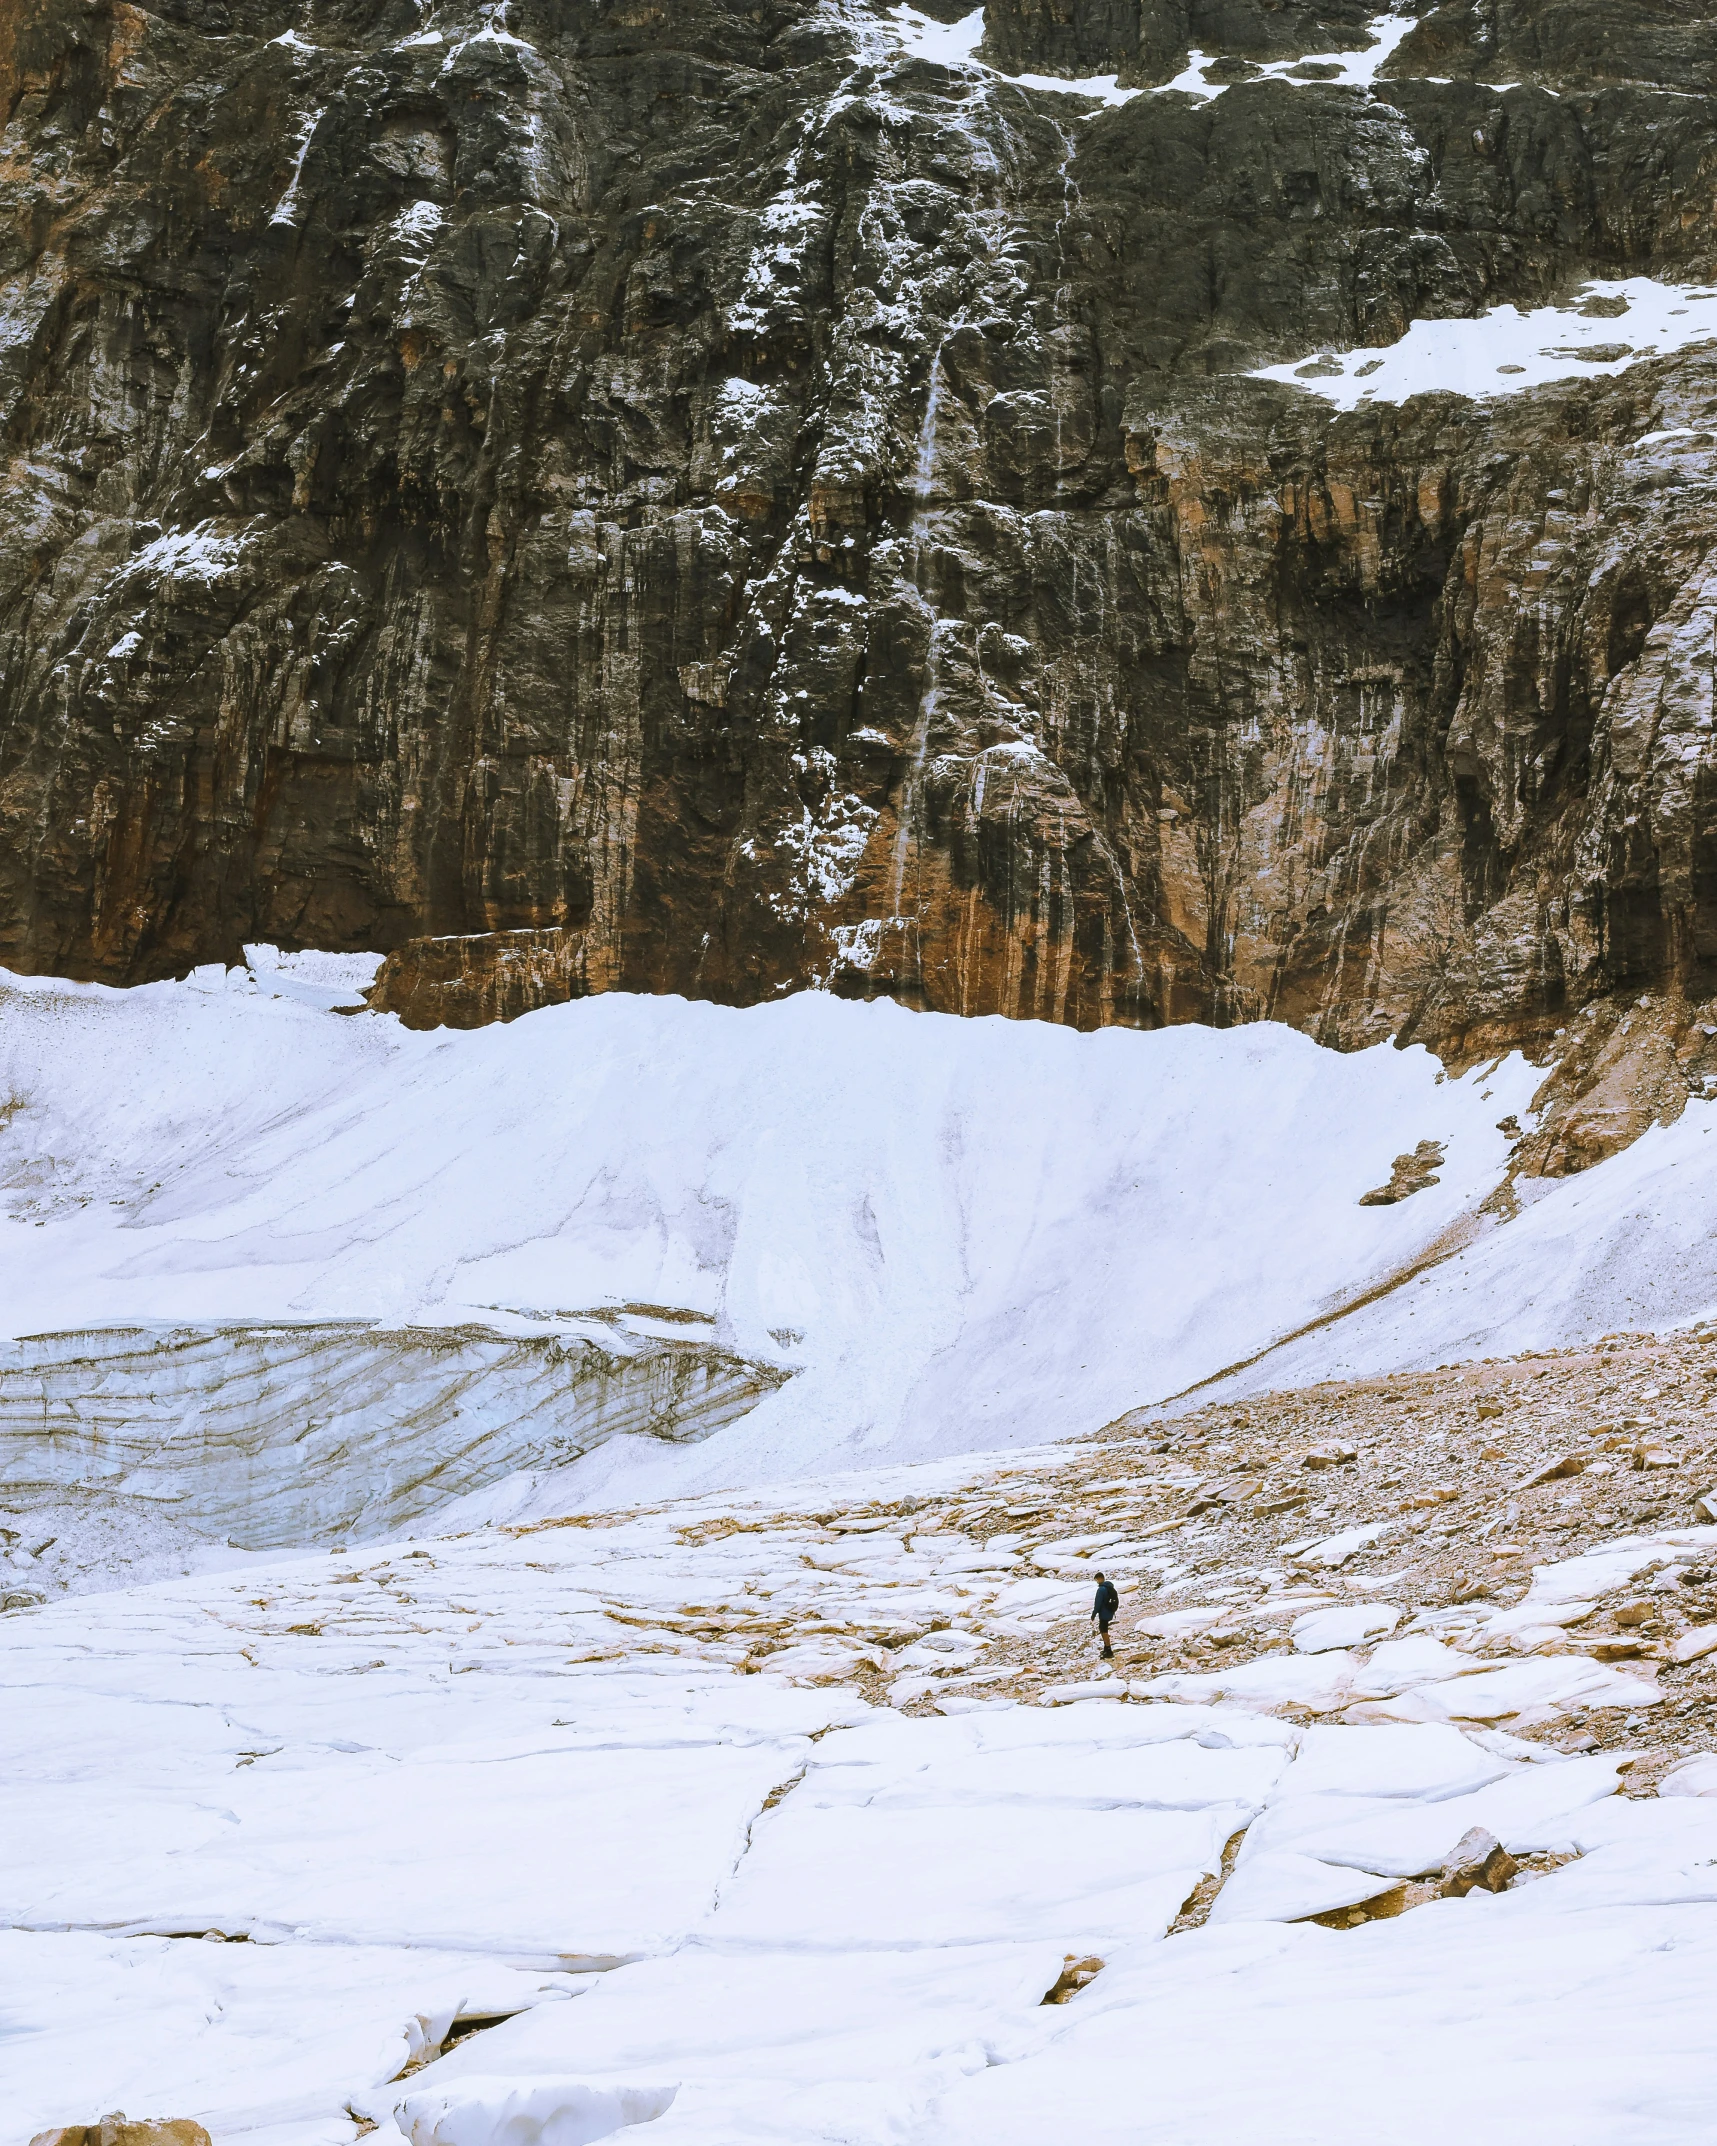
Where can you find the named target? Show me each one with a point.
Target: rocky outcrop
(1620, 1070)
(1415, 1171)
(118, 2130)
(472, 978)
(703, 500)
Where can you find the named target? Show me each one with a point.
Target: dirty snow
(527, 1832)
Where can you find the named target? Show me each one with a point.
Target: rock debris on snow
(417, 1777)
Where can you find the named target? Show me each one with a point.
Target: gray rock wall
(729, 506)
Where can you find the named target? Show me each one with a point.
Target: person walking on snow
(1103, 1610)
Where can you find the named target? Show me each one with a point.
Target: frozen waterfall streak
(923, 478)
(286, 209)
(1072, 201)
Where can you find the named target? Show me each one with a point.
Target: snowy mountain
(857, 1071)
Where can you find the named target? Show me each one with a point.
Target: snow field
(640, 1783)
(1627, 1245)
(255, 2038)
(621, 1780)
(379, 1251)
(1481, 2019)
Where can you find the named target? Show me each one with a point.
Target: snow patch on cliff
(1610, 326)
(956, 44)
(1352, 70)
(949, 44)
(326, 981)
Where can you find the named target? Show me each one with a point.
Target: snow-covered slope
(1630, 1245)
(942, 1235)
(616, 1224)
(658, 1789)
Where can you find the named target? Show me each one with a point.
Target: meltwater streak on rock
(923, 483)
(286, 213)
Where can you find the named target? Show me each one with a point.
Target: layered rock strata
(707, 500)
(278, 1433)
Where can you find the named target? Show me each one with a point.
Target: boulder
(1478, 1862)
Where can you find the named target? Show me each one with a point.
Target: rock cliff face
(705, 498)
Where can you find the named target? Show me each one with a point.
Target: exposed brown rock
(118, 2130)
(696, 500)
(470, 980)
(1076, 1974)
(1554, 1471)
(1478, 1862)
(1409, 1174)
(1622, 1068)
(1383, 1906)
